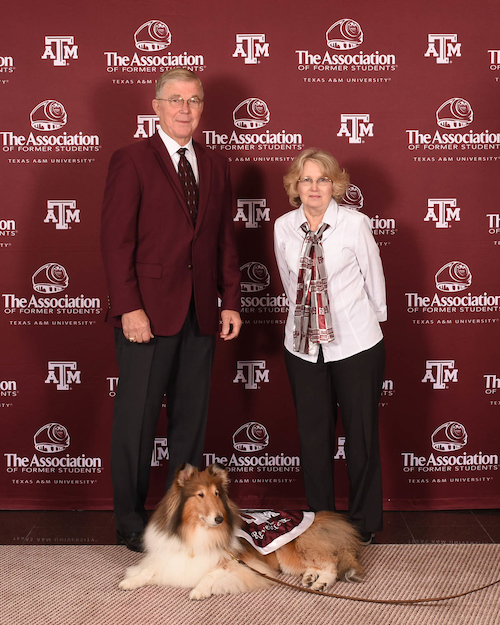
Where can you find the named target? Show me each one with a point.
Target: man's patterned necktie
(188, 182)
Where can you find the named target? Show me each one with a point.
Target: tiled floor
(92, 527)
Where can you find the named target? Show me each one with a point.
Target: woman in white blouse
(332, 274)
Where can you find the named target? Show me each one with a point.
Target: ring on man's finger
(132, 339)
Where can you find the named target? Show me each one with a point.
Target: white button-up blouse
(356, 285)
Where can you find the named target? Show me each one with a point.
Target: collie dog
(190, 538)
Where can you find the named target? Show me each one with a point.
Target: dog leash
(364, 600)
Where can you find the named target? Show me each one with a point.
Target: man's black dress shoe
(132, 540)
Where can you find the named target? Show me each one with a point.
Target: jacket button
(190, 267)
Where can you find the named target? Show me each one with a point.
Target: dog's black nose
(219, 519)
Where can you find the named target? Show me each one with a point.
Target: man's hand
(231, 324)
(136, 326)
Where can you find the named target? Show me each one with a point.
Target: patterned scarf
(312, 319)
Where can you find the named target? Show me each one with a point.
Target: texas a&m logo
(146, 126)
(62, 213)
(442, 48)
(442, 211)
(252, 212)
(59, 49)
(355, 126)
(251, 373)
(160, 452)
(63, 374)
(440, 372)
(251, 48)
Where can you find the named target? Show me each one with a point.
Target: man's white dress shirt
(172, 147)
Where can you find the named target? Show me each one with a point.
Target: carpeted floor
(78, 585)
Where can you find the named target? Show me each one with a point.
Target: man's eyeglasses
(178, 103)
(308, 182)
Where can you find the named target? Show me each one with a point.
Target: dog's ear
(184, 473)
(220, 471)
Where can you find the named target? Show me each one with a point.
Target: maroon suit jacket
(154, 258)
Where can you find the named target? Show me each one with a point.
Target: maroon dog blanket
(267, 530)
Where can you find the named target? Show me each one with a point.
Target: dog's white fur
(191, 535)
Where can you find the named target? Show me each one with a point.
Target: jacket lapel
(205, 174)
(168, 168)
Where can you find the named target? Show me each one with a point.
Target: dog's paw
(324, 581)
(136, 577)
(198, 593)
(319, 585)
(128, 584)
(309, 578)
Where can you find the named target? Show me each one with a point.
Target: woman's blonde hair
(329, 168)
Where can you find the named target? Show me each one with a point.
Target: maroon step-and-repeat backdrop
(405, 95)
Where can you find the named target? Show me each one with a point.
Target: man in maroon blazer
(169, 252)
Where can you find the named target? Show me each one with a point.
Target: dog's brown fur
(191, 535)
(330, 544)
